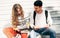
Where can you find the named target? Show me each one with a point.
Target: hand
(16, 29)
(47, 26)
(36, 27)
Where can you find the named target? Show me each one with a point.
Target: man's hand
(47, 26)
(36, 27)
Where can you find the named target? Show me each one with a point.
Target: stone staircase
(56, 23)
(56, 20)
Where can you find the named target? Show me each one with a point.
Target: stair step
(47, 36)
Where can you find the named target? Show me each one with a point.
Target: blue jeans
(43, 31)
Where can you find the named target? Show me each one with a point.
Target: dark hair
(38, 3)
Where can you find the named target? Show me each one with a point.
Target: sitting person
(40, 21)
(17, 18)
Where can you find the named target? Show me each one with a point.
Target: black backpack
(34, 15)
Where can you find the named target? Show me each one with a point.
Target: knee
(9, 31)
(53, 32)
(32, 32)
(5, 30)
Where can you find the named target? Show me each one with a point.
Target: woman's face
(19, 11)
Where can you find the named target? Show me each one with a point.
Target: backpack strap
(34, 16)
(46, 14)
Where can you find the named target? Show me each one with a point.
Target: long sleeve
(31, 19)
(49, 19)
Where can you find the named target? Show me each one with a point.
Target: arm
(31, 20)
(49, 19)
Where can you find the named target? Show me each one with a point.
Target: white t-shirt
(40, 19)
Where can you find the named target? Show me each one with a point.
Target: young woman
(17, 18)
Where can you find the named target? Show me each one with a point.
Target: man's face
(37, 8)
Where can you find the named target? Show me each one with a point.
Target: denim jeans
(43, 31)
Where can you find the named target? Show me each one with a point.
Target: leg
(49, 32)
(9, 32)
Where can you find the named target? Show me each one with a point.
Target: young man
(39, 22)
